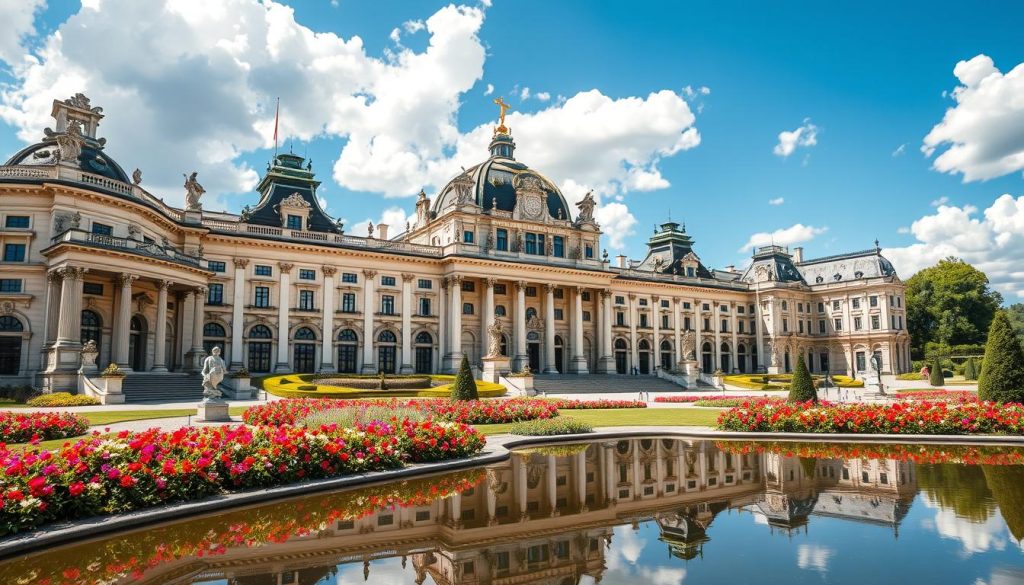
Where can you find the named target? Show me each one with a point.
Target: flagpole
(277, 117)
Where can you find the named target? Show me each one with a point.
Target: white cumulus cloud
(18, 17)
(777, 201)
(794, 234)
(992, 241)
(489, 90)
(982, 136)
(804, 136)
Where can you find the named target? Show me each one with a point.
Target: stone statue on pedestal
(494, 339)
(214, 369)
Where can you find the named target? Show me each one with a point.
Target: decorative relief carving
(285, 266)
(407, 277)
(370, 273)
(329, 271)
(240, 262)
(295, 200)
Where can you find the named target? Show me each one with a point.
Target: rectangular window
(501, 240)
(558, 246)
(424, 307)
(216, 266)
(468, 286)
(102, 229)
(620, 300)
(387, 281)
(14, 252)
(425, 283)
(620, 318)
(531, 243)
(686, 323)
(799, 307)
(588, 252)
(306, 300)
(861, 361)
(837, 324)
(585, 296)
(857, 324)
(10, 285)
(349, 277)
(586, 315)
(875, 322)
(706, 307)
(387, 304)
(785, 325)
(801, 326)
(707, 324)
(664, 321)
(559, 315)
(262, 298)
(821, 326)
(541, 249)
(686, 305)
(856, 303)
(16, 221)
(740, 309)
(467, 308)
(467, 236)
(835, 305)
(215, 294)
(348, 303)
(500, 289)
(873, 301)
(92, 288)
(643, 302)
(821, 307)
(307, 274)
(263, 270)
(294, 222)
(643, 319)
(740, 325)
(725, 325)
(559, 293)
(531, 291)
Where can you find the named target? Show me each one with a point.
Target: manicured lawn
(618, 417)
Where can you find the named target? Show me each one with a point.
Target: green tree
(1004, 481)
(1002, 369)
(464, 387)
(971, 369)
(949, 303)
(935, 373)
(801, 389)
(1016, 314)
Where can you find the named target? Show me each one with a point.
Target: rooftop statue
(502, 108)
(193, 192)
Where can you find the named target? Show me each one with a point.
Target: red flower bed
(710, 398)
(137, 470)
(924, 418)
(22, 427)
(477, 412)
(925, 454)
(940, 395)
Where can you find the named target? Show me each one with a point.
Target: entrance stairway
(142, 387)
(600, 383)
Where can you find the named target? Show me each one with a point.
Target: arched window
(643, 345)
(530, 313)
(499, 311)
(214, 330)
(92, 326)
(348, 335)
(347, 351)
(9, 324)
(387, 337)
(424, 359)
(214, 335)
(424, 337)
(504, 345)
(387, 356)
(305, 334)
(260, 332)
(621, 344)
(304, 358)
(10, 345)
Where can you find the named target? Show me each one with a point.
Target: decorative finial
(876, 245)
(502, 108)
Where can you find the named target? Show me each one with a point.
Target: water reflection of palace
(547, 515)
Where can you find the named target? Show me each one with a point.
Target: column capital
(490, 282)
(407, 277)
(605, 293)
(329, 271)
(655, 298)
(549, 288)
(54, 275)
(125, 279)
(456, 279)
(200, 290)
(632, 296)
(370, 274)
(240, 262)
(164, 285)
(285, 266)
(520, 285)
(72, 272)
(576, 290)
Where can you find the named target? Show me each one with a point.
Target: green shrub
(801, 389)
(936, 376)
(562, 425)
(62, 399)
(17, 394)
(970, 369)
(914, 376)
(1002, 368)
(464, 387)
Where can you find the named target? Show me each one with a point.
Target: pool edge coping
(499, 448)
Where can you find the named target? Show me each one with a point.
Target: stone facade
(89, 254)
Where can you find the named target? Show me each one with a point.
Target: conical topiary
(935, 373)
(801, 389)
(1002, 368)
(970, 369)
(464, 387)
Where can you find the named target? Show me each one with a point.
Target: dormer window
(294, 210)
(294, 222)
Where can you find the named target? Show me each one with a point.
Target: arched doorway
(259, 348)
(304, 359)
(137, 344)
(387, 347)
(621, 356)
(92, 330)
(707, 358)
(644, 355)
(214, 335)
(741, 358)
(424, 353)
(11, 330)
(348, 351)
(533, 350)
(559, 354)
(504, 345)
(666, 356)
(726, 358)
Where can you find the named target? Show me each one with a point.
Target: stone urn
(89, 354)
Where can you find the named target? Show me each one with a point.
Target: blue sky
(868, 84)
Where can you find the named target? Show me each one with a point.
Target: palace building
(89, 255)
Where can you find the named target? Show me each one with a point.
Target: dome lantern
(502, 144)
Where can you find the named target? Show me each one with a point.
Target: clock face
(532, 206)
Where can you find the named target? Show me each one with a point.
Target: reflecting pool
(647, 510)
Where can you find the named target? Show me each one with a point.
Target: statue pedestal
(212, 412)
(689, 370)
(773, 370)
(193, 216)
(494, 366)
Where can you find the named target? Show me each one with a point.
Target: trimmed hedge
(783, 381)
(62, 399)
(464, 387)
(1002, 369)
(801, 389)
(305, 386)
(936, 377)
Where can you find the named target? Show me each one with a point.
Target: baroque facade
(90, 255)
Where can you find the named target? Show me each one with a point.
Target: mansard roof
(846, 267)
(287, 176)
(669, 250)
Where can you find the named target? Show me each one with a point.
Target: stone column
(283, 330)
(184, 318)
(487, 314)
(519, 469)
(369, 306)
(454, 356)
(549, 329)
(406, 365)
(327, 320)
(656, 346)
(759, 333)
(160, 341)
(442, 325)
(716, 327)
(552, 484)
(735, 346)
(197, 353)
(53, 306)
(237, 317)
(69, 325)
(579, 360)
(122, 322)
(520, 360)
(677, 323)
(606, 364)
(634, 351)
(581, 480)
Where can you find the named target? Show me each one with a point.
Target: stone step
(147, 387)
(601, 383)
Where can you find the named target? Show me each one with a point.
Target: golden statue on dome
(502, 108)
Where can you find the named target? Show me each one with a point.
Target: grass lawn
(641, 417)
(932, 389)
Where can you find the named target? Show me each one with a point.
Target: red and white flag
(277, 115)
